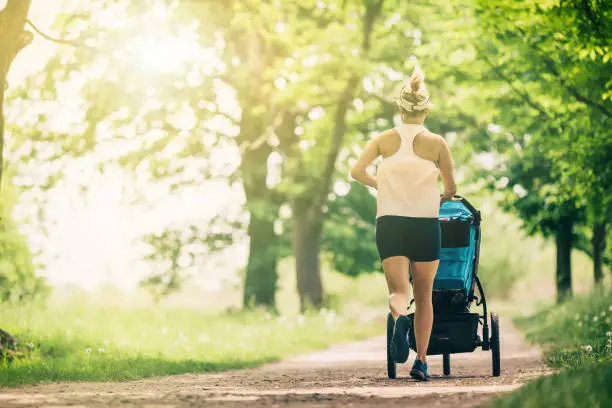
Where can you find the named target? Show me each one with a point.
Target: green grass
(577, 338)
(87, 343)
(586, 386)
(578, 331)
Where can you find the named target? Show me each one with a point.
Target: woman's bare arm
(447, 172)
(358, 171)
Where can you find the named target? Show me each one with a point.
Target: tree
(141, 106)
(251, 49)
(530, 193)
(14, 38)
(309, 201)
(393, 35)
(556, 77)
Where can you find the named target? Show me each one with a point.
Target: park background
(177, 170)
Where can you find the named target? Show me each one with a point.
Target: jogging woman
(407, 225)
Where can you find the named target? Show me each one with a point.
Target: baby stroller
(455, 329)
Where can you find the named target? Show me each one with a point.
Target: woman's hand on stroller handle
(444, 198)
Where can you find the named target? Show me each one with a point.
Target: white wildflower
(88, 350)
(596, 318)
(493, 128)
(330, 318)
(502, 183)
(609, 333)
(519, 190)
(587, 348)
(603, 314)
(31, 345)
(101, 350)
(579, 324)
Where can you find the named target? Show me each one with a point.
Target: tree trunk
(13, 38)
(3, 87)
(599, 247)
(306, 228)
(261, 275)
(309, 218)
(564, 258)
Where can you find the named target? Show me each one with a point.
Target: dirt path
(345, 375)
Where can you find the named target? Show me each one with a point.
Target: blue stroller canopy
(459, 224)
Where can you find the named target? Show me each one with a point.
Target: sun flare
(161, 54)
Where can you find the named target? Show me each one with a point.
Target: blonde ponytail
(417, 79)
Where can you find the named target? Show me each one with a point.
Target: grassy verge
(89, 343)
(578, 331)
(586, 386)
(577, 338)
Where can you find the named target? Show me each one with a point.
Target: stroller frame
(455, 328)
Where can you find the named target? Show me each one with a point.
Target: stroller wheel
(391, 365)
(446, 363)
(495, 346)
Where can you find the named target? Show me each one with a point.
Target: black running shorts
(416, 238)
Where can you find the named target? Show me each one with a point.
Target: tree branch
(337, 138)
(522, 95)
(568, 87)
(285, 131)
(591, 17)
(56, 40)
(371, 14)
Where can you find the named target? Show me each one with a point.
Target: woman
(407, 225)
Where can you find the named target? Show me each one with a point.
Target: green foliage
(575, 332)
(554, 78)
(79, 342)
(548, 64)
(587, 386)
(505, 256)
(18, 280)
(275, 95)
(349, 237)
(174, 252)
(252, 97)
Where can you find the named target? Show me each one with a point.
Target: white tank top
(407, 183)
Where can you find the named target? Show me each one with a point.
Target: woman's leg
(396, 273)
(423, 274)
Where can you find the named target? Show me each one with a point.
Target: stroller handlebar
(469, 206)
